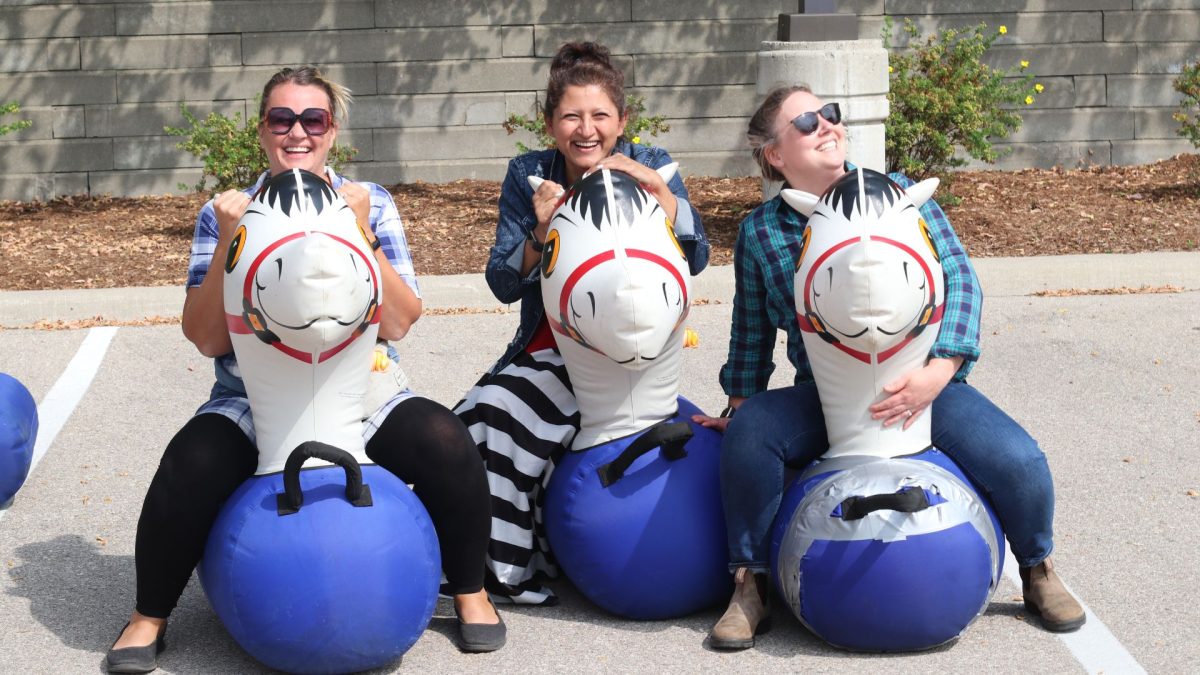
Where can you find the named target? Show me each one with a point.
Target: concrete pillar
(854, 73)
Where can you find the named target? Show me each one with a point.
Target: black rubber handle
(907, 500)
(670, 436)
(292, 497)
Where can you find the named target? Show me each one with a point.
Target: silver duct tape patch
(865, 476)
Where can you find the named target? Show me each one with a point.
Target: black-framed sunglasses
(314, 121)
(808, 123)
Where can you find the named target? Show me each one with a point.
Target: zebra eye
(550, 253)
(235, 248)
(674, 239)
(806, 238)
(928, 239)
(363, 232)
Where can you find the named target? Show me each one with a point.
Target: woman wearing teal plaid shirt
(799, 139)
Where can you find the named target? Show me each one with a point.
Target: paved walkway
(1001, 277)
(1109, 384)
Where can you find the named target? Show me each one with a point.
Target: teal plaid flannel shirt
(768, 245)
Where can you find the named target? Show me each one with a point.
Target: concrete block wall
(434, 81)
(1107, 65)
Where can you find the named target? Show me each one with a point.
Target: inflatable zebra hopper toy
(18, 436)
(320, 569)
(302, 296)
(633, 511)
(883, 544)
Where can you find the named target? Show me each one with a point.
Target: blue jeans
(785, 428)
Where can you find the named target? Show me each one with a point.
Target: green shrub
(636, 125)
(1188, 84)
(230, 151)
(943, 98)
(8, 109)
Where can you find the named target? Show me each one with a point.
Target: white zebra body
(869, 296)
(302, 294)
(615, 284)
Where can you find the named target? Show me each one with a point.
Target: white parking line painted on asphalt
(58, 404)
(1093, 645)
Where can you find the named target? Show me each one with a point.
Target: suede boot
(747, 614)
(1047, 598)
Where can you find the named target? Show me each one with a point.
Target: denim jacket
(517, 218)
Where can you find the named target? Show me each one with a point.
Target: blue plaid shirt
(768, 245)
(228, 395)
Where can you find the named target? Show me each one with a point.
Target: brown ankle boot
(1048, 599)
(747, 614)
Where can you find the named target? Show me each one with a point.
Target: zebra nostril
(592, 298)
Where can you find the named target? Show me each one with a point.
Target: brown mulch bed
(99, 242)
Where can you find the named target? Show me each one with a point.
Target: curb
(1000, 277)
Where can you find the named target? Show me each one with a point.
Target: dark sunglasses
(314, 121)
(808, 122)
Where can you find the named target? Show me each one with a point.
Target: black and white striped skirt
(522, 419)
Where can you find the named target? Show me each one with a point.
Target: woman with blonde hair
(799, 139)
(415, 438)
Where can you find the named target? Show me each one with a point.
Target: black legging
(421, 442)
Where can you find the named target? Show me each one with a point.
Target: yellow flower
(891, 69)
(637, 139)
(1038, 88)
(1028, 100)
(1024, 65)
(1003, 30)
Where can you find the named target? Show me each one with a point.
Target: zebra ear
(804, 202)
(921, 192)
(535, 182)
(668, 171)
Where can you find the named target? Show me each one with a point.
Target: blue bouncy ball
(636, 523)
(886, 555)
(18, 433)
(311, 573)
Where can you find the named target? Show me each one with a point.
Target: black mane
(877, 188)
(589, 199)
(283, 189)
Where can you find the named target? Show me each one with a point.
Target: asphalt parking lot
(1108, 383)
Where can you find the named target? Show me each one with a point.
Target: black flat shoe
(136, 659)
(481, 637)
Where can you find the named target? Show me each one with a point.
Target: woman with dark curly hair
(522, 413)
